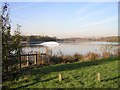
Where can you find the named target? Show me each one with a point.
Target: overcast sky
(65, 19)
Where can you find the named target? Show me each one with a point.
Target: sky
(65, 19)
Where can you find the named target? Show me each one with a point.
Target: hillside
(75, 75)
(110, 39)
(39, 39)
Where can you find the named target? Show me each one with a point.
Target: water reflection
(72, 48)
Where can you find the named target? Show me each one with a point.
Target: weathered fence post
(20, 61)
(38, 58)
(42, 57)
(35, 60)
(60, 77)
(47, 55)
(28, 59)
(98, 77)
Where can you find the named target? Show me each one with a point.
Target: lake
(72, 48)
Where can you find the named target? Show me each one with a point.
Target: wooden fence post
(39, 58)
(35, 60)
(20, 61)
(60, 77)
(42, 57)
(36, 57)
(98, 77)
(28, 59)
(47, 58)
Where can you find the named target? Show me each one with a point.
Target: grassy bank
(74, 75)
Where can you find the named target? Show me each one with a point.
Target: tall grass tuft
(106, 54)
(91, 56)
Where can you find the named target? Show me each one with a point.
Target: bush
(77, 57)
(67, 58)
(92, 56)
(56, 59)
(117, 52)
(106, 54)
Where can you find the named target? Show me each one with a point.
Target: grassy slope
(75, 75)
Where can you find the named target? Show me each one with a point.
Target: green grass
(75, 75)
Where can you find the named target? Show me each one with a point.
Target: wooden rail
(36, 58)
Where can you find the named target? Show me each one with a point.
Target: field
(74, 75)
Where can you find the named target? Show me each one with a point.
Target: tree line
(38, 38)
(110, 39)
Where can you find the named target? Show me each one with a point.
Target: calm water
(72, 48)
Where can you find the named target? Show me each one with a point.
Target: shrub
(106, 54)
(68, 58)
(91, 56)
(117, 52)
(56, 59)
(77, 57)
